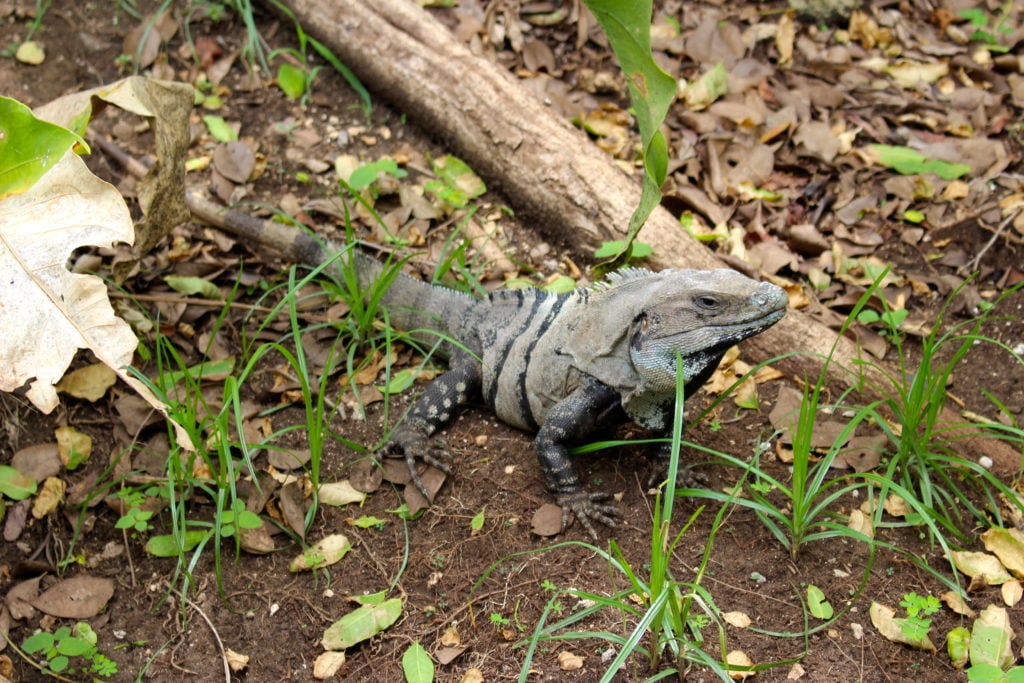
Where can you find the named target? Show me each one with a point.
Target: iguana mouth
(737, 332)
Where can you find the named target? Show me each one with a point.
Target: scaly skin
(563, 365)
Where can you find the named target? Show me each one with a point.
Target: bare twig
(213, 630)
(973, 265)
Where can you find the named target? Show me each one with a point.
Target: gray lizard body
(562, 365)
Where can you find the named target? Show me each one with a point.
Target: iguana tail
(420, 308)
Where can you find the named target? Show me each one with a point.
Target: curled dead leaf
(49, 498)
(323, 553)
(327, 665)
(884, 619)
(570, 661)
(740, 665)
(737, 619)
(339, 493)
(236, 660)
(1011, 592)
(956, 602)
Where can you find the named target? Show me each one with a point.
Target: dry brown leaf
(1011, 592)
(957, 603)
(547, 520)
(884, 619)
(288, 459)
(739, 658)
(89, 383)
(20, 596)
(256, 541)
(737, 619)
(433, 479)
(15, 519)
(328, 664)
(292, 508)
(861, 523)
(49, 498)
(570, 661)
(236, 661)
(72, 445)
(37, 462)
(80, 597)
(447, 655)
(324, 553)
(339, 493)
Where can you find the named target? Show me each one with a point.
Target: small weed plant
(952, 491)
(69, 650)
(669, 616)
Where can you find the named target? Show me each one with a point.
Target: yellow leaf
(90, 382)
(51, 495)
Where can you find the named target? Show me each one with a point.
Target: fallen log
(550, 172)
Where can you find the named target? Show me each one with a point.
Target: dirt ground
(277, 618)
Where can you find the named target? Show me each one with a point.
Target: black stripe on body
(510, 339)
(524, 400)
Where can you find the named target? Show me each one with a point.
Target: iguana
(560, 365)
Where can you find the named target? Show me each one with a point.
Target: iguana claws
(582, 506)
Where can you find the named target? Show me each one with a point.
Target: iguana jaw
(703, 343)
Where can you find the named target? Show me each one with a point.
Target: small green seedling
(65, 646)
(916, 624)
(891, 319)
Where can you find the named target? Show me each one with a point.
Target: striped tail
(429, 312)
(412, 305)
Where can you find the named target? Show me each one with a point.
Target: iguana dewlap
(562, 365)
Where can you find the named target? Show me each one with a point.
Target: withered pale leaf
(739, 658)
(570, 661)
(327, 665)
(957, 603)
(547, 520)
(80, 597)
(324, 553)
(339, 493)
(884, 619)
(90, 383)
(49, 498)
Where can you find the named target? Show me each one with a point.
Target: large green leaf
(907, 161)
(29, 147)
(361, 623)
(627, 23)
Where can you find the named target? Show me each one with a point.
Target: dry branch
(549, 171)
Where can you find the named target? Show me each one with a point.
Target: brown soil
(435, 563)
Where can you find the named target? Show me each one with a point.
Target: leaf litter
(835, 127)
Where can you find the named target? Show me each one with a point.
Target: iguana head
(700, 314)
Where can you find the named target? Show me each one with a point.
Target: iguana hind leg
(571, 419)
(442, 397)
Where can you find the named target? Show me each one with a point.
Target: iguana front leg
(569, 420)
(434, 408)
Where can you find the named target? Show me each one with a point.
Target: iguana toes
(564, 365)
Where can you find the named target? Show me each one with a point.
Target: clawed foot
(584, 507)
(411, 446)
(686, 477)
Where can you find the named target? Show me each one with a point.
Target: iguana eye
(706, 301)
